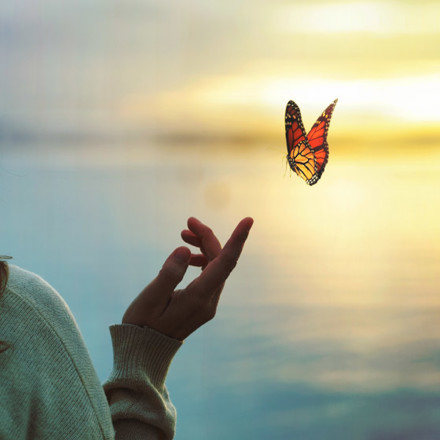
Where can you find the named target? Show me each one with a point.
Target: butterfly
(307, 154)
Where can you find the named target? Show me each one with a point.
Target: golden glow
(371, 17)
(407, 98)
(256, 104)
(380, 59)
(333, 17)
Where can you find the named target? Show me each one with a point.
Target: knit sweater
(48, 386)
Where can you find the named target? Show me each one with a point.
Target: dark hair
(4, 272)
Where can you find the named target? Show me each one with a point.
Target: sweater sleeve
(139, 402)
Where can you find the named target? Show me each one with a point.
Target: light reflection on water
(327, 329)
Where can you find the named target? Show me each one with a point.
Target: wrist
(142, 350)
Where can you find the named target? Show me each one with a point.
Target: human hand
(178, 313)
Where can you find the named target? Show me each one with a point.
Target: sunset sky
(220, 68)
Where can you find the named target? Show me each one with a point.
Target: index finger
(218, 270)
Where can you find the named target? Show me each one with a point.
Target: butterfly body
(307, 154)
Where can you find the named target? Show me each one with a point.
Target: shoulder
(25, 288)
(47, 366)
(29, 284)
(31, 308)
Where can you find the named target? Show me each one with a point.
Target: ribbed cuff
(142, 350)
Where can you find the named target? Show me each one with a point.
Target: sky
(219, 69)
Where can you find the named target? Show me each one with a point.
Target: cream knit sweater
(48, 386)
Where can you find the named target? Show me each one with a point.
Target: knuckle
(205, 310)
(171, 273)
(206, 233)
(208, 230)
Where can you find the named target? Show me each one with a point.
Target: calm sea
(329, 328)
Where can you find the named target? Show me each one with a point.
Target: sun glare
(370, 17)
(410, 99)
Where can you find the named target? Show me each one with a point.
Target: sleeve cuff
(142, 350)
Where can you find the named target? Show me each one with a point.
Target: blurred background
(119, 119)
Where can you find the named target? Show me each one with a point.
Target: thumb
(152, 301)
(171, 274)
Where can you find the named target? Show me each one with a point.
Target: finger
(219, 269)
(198, 260)
(190, 238)
(173, 270)
(209, 244)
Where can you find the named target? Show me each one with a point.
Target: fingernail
(181, 255)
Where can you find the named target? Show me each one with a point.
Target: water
(328, 328)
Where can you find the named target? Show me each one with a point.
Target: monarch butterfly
(307, 154)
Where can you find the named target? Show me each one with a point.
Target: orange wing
(300, 155)
(317, 138)
(295, 132)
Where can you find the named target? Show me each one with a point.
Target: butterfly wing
(300, 155)
(317, 138)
